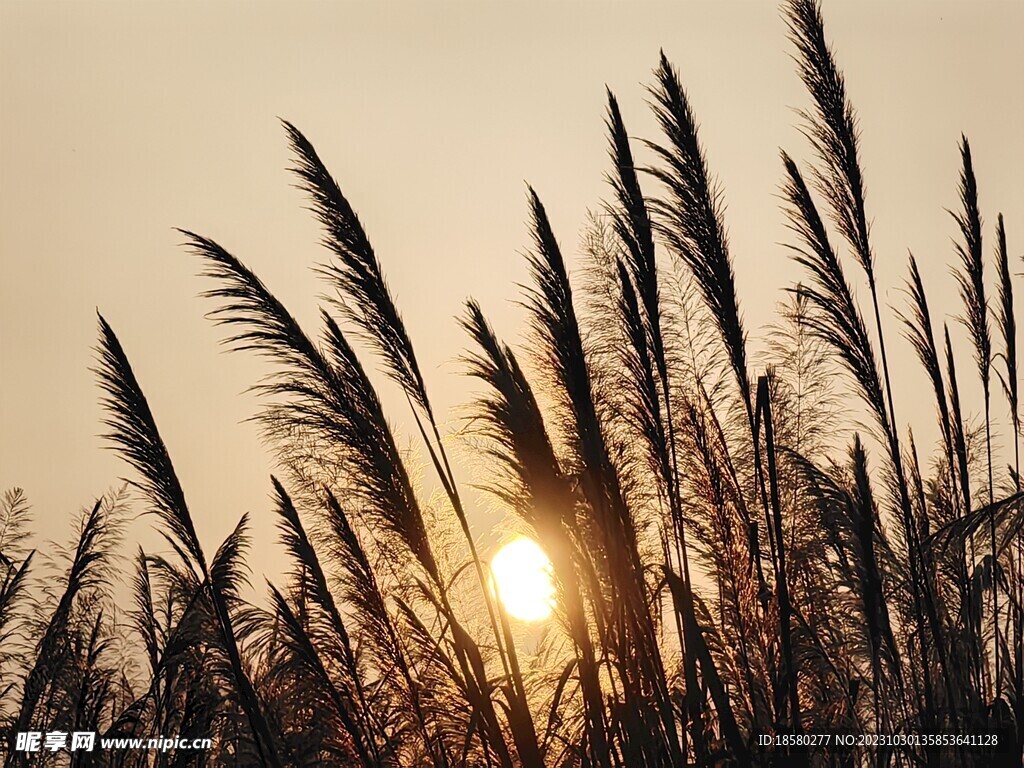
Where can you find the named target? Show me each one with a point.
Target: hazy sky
(120, 121)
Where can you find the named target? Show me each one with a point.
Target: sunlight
(522, 574)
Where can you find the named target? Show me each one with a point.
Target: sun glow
(523, 578)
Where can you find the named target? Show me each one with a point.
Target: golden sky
(121, 120)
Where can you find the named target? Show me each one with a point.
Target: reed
(741, 543)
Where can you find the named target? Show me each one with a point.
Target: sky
(120, 121)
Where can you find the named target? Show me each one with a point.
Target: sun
(523, 578)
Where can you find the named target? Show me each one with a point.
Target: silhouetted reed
(731, 557)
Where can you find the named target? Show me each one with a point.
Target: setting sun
(522, 576)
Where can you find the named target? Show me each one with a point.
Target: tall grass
(733, 555)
